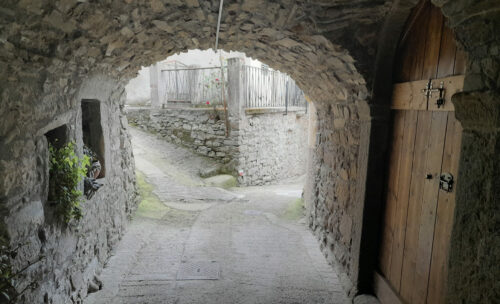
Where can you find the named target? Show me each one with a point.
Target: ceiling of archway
(320, 43)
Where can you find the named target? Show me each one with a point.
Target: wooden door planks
(415, 198)
(432, 44)
(430, 190)
(392, 188)
(412, 204)
(444, 215)
(412, 50)
(447, 53)
(403, 192)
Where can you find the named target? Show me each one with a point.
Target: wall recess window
(93, 139)
(58, 137)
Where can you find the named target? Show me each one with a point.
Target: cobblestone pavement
(208, 245)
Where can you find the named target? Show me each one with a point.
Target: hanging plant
(66, 171)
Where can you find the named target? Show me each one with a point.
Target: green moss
(150, 205)
(295, 210)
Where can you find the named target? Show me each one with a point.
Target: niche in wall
(92, 130)
(57, 137)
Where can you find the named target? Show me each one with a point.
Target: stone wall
(267, 146)
(333, 208)
(70, 256)
(273, 146)
(339, 52)
(200, 129)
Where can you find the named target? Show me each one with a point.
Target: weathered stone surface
(267, 147)
(340, 59)
(85, 245)
(334, 205)
(222, 181)
(202, 130)
(272, 146)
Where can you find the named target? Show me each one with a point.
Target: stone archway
(56, 55)
(53, 55)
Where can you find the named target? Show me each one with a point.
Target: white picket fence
(262, 87)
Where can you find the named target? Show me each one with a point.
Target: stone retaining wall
(200, 129)
(267, 146)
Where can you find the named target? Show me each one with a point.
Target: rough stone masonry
(200, 129)
(53, 54)
(268, 146)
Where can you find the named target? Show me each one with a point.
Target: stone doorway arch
(53, 55)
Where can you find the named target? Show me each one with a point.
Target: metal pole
(218, 26)
(286, 98)
(176, 84)
(223, 95)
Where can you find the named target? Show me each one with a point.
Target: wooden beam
(409, 96)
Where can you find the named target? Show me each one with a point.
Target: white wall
(138, 90)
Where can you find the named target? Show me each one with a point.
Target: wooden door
(425, 145)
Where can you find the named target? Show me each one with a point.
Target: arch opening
(53, 55)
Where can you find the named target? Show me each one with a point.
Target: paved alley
(189, 243)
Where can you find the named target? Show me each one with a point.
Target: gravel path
(208, 245)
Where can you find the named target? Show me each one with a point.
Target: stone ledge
(197, 109)
(258, 111)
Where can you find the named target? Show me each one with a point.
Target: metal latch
(446, 182)
(429, 89)
(440, 100)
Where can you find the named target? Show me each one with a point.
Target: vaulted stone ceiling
(312, 40)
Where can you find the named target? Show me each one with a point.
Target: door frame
(375, 128)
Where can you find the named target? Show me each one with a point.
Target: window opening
(93, 139)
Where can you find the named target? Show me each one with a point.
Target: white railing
(197, 86)
(262, 87)
(266, 88)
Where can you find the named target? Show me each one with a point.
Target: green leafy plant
(66, 171)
